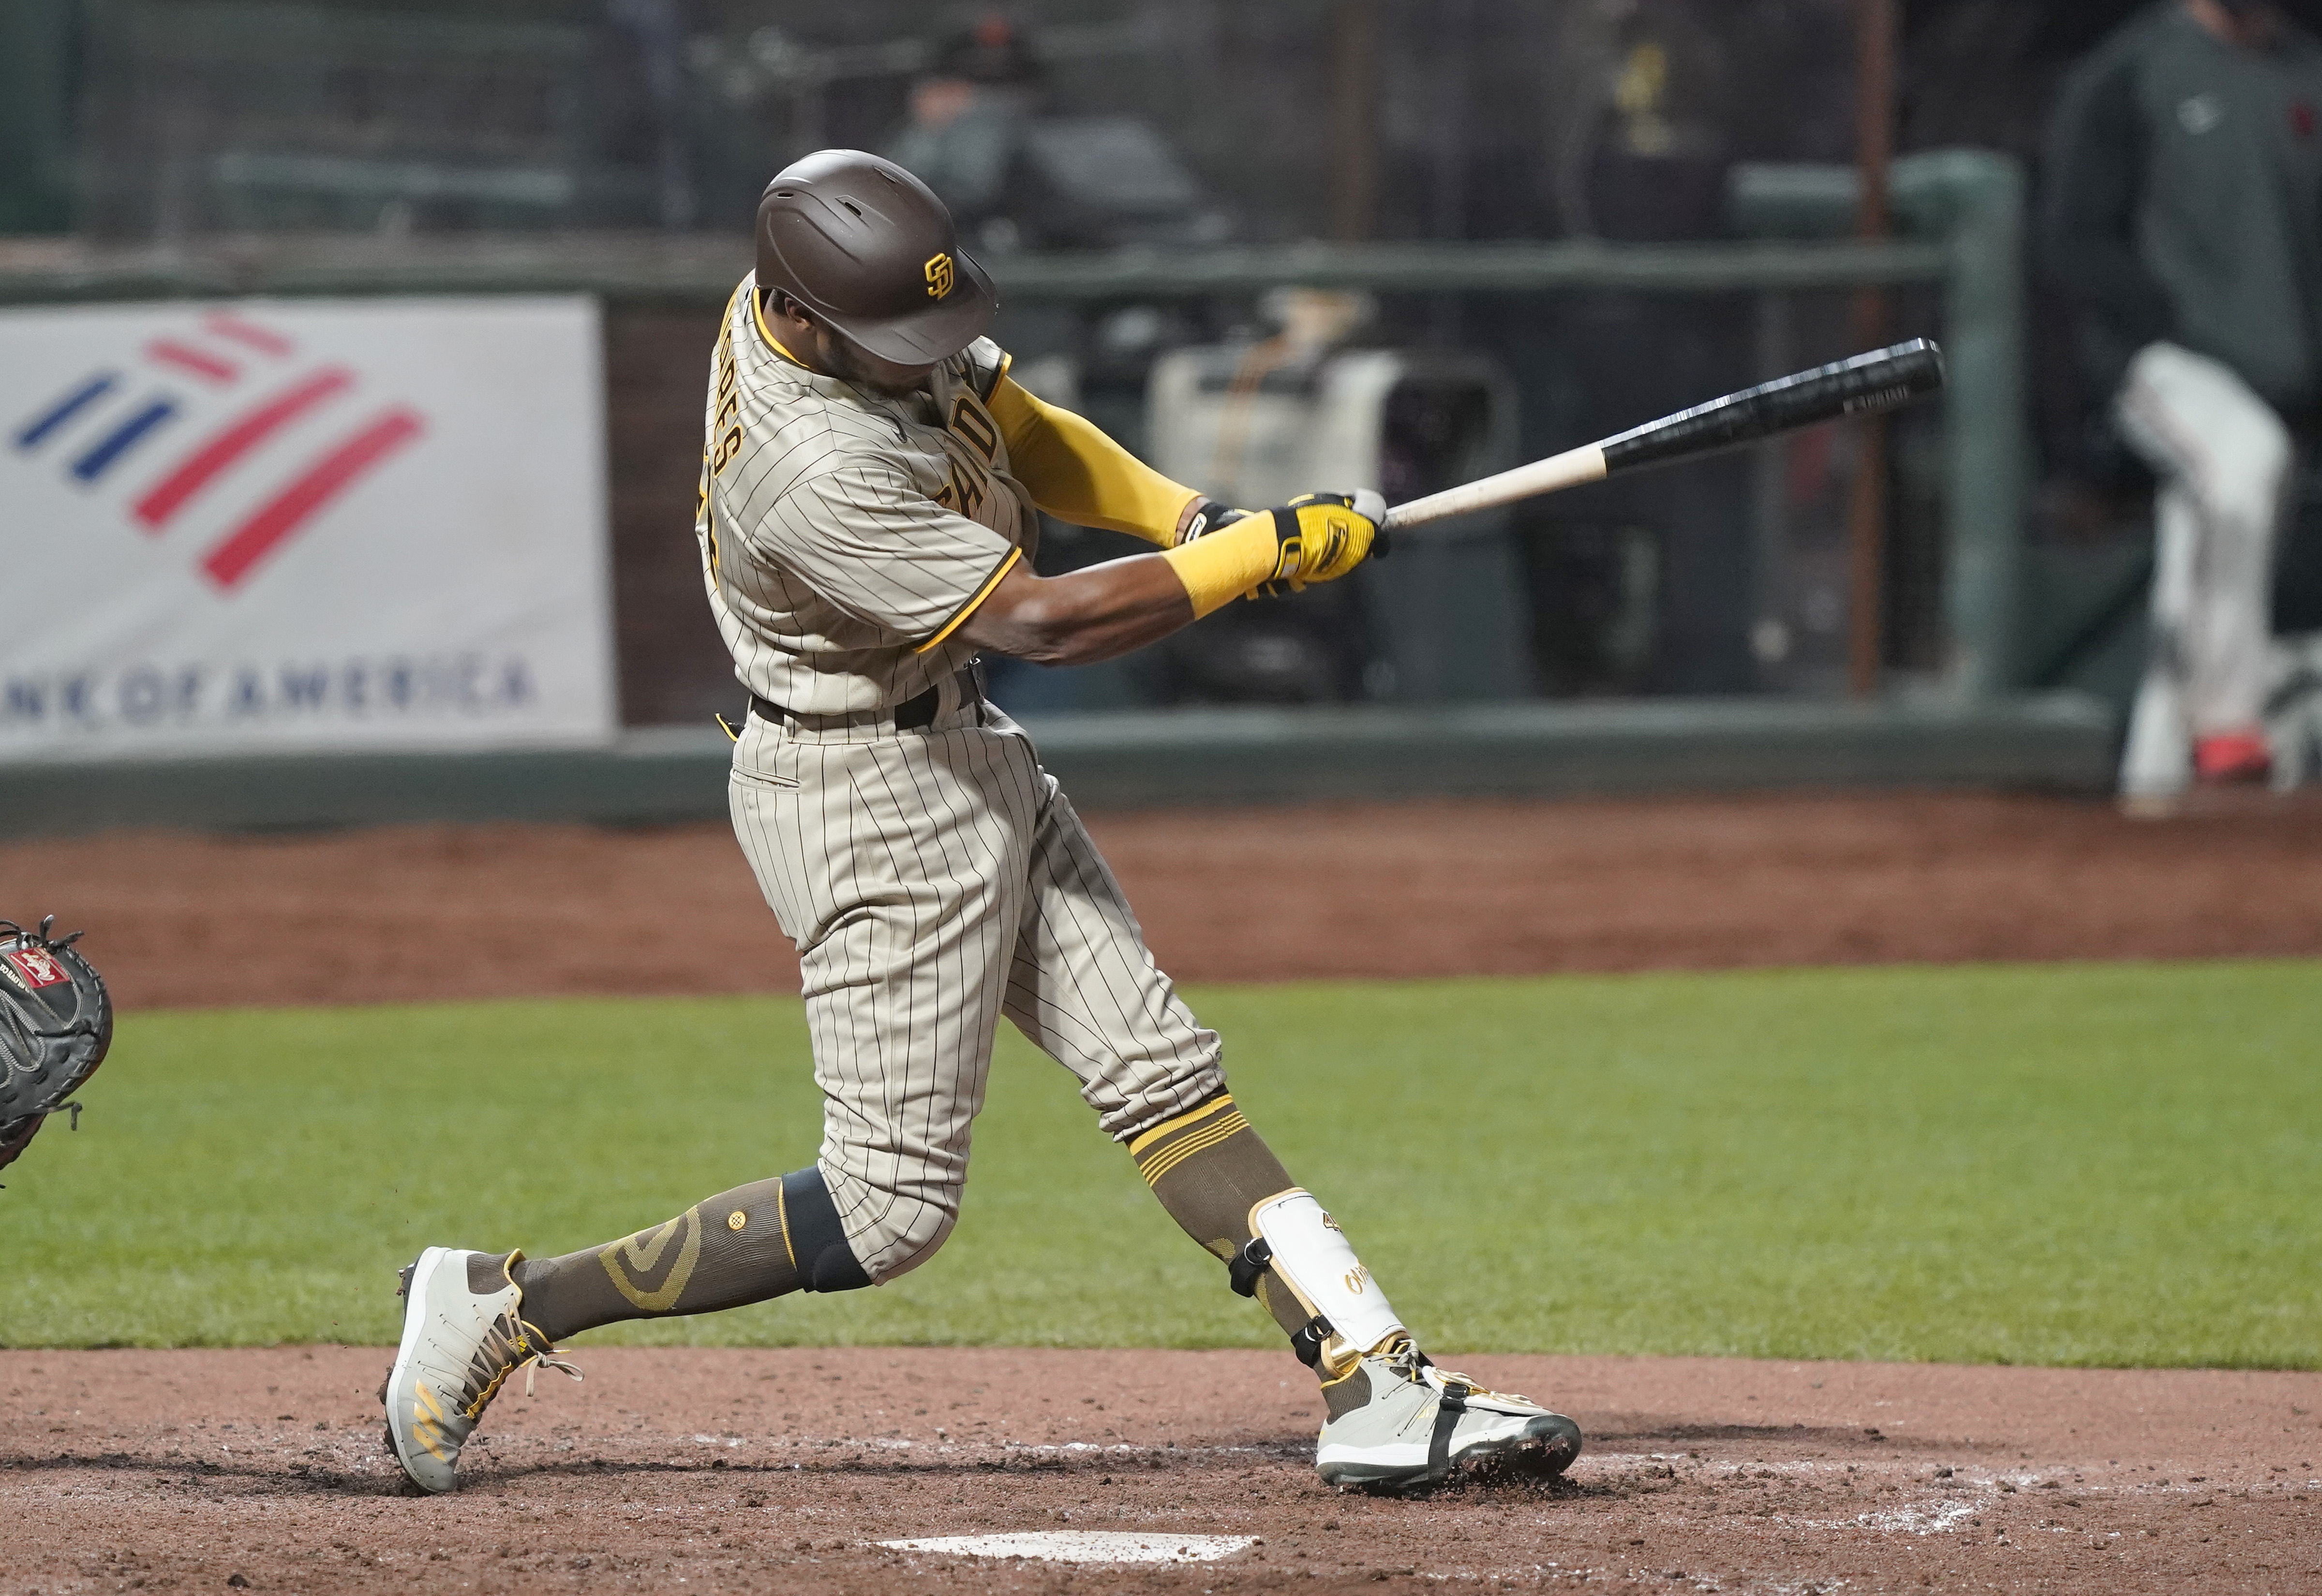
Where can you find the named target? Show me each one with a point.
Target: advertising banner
(298, 525)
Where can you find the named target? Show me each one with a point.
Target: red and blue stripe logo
(122, 420)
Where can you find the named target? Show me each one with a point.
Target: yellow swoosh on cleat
(427, 1426)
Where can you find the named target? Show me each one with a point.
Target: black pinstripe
(837, 558)
(932, 880)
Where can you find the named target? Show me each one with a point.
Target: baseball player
(2184, 215)
(866, 518)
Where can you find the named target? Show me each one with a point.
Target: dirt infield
(702, 1469)
(1436, 888)
(698, 1469)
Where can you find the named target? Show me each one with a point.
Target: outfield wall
(2056, 742)
(1963, 205)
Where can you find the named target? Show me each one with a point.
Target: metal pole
(1771, 642)
(1874, 111)
(1455, 38)
(1980, 196)
(1353, 55)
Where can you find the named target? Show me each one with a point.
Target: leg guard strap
(1308, 1343)
(817, 1240)
(1244, 1267)
(1454, 1402)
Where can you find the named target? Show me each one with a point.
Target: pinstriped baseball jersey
(933, 878)
(844, 535)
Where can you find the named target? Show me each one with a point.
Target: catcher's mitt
(56, 1022)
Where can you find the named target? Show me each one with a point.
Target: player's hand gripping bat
(1865, 385)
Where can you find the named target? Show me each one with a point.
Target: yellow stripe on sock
(1165, 1159)
(1207, 1135)
(782, 1223)
(1224, 1099)
(1207, 1138)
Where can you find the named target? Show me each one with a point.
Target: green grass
(2114, 1164)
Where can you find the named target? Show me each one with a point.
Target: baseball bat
(1865, 385)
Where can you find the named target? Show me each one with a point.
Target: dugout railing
(1966, 207)
(1963, 215)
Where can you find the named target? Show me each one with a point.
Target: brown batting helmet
(869, 247)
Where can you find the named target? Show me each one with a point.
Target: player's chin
(895, 381)
(887, 378)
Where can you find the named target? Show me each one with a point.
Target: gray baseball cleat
(1399, 1422)
(459, 1346)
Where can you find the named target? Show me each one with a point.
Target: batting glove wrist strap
(1203, 517)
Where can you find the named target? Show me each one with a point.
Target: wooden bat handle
(1568, 470)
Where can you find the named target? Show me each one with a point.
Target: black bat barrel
(1883, 380)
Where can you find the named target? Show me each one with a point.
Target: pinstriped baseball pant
(932, 881)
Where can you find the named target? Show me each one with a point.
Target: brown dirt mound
(1433, 888)
(700, 1470)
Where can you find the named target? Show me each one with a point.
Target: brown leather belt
(913, 713)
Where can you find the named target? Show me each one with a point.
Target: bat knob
(1371, 506)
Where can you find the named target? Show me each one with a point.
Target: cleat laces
(508, 1345)
(532, 1366)
(1417, 1367)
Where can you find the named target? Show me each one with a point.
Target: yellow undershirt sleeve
(1227, 563)
(1077, 474)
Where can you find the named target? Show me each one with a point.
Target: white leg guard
(1309, 1254)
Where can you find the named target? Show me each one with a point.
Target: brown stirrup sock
(1210, 1170)
(756, 1242)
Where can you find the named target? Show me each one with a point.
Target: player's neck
(812, 348)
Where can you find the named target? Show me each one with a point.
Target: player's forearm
(1097, 612)
(1105, 610)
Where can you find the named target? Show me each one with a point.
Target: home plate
(1083, 1546)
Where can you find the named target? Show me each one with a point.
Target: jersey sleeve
(864, 539)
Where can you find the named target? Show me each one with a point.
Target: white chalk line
(959, 1448)
(1081, 1545)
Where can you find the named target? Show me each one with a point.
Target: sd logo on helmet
(869, 247)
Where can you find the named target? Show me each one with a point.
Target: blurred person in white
(2183, 213)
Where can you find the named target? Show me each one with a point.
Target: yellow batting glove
(1224, 553)
(1321, 537)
